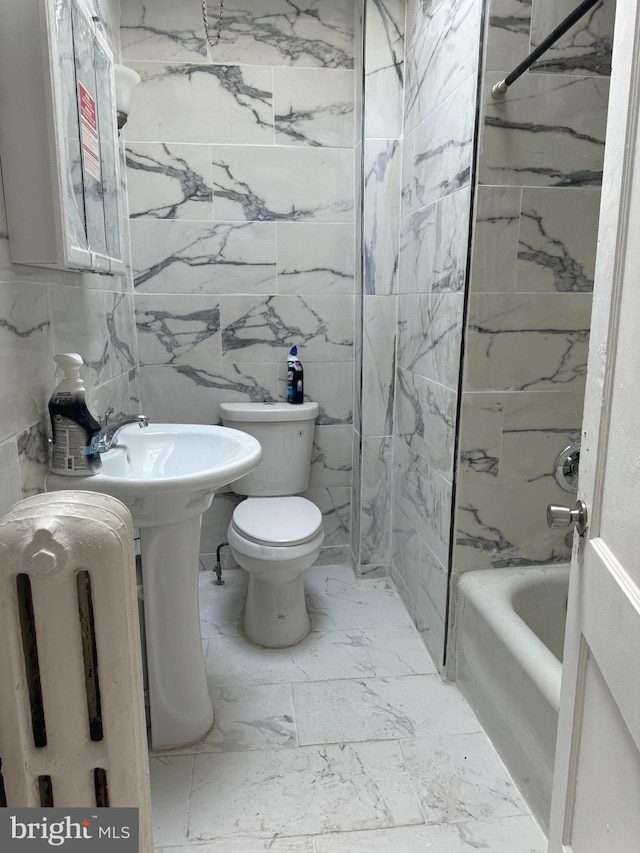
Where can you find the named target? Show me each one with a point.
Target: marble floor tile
(460, 777)
(348, 741)
(329, 579)
(380, 709)
(257, 716)
(170, 790)
(248, 844)
(221, 607)
(510, 835)
(316, 789)
(222, 616)
(397, 651)
(321, 655)
(356, 607)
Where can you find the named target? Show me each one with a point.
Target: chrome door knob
(564, 516)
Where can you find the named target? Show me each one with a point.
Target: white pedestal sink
(166, 474)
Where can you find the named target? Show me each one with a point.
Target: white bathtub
(509, 638)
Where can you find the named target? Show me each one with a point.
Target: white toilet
(274, 535)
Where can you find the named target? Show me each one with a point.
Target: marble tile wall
(442, 43)
(241, 189)
(383, 87)
(532, 274)
(356, 474)
(43, 312)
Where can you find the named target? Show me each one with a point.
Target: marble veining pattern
(311, 33)
(379, 709)
(495, 245)
(585, 49)
(10, 476)
(442, 147)
(80, 325)
(332, 745)
(441, 70)
(507, 835)
(506, 329)
(542, 422)
(481, 437)
(508, 33)
(379, 364)
(334, 502)
(382, 161)
(375, 510)
(540, 164)
(241, 174)
(321, 327)
(569, 145)
(482, 787)
(494, 531)
(162, 29)
(184, 103)
(315, 257)
(424, 496)
(444, 55)
(264, 184)
(384, 69)
(193, 257)
(425, 419)
(313, 106)
(556, 246)
(430, 328)
(178, 330)
(121, 331)
(33, 458)
(25, 343)
(331, 457)
(169, 181)
(417, 250)
(449, 267)
(360, 788)
(171, 390)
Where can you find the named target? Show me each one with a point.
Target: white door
(596, 795)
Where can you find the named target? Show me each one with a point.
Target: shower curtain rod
(500, 88)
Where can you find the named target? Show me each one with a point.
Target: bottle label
(70, 447)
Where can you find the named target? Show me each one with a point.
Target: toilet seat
(279, 521)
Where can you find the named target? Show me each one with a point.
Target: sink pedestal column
(180, 704)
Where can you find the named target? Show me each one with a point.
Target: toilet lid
(277, 521)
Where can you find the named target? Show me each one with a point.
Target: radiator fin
(31, 661)
(90, 655)
(102, 788)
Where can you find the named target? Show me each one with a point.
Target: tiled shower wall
(540, 165)
(43, 312)
(442, 57)
(381, 152)
(241, 192)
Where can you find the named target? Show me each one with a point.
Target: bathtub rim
(491, 592)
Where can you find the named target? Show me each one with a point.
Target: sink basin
(166, 474)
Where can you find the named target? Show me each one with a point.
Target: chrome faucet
(107, 435)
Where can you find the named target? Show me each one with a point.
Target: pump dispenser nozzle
(70, 363)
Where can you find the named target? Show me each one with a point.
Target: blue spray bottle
(295, 378)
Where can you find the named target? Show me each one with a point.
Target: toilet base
(275, 614)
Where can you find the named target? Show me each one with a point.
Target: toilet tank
(285, 432)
